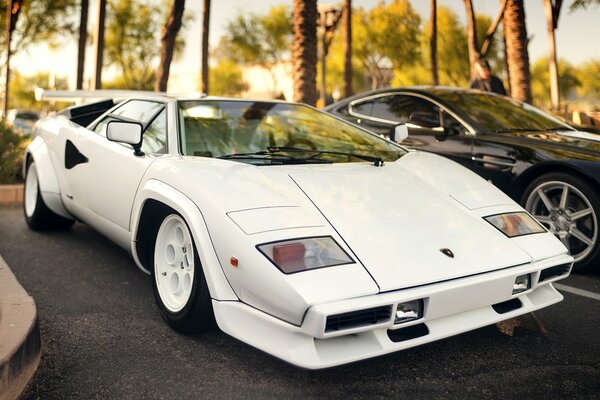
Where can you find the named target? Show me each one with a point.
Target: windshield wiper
(377, 161)
(273, 158)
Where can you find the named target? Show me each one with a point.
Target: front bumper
(451, 308)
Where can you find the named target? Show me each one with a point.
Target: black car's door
(431, 128)
(494, 160)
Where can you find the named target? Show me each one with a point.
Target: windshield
(269, 133)
(502, 114)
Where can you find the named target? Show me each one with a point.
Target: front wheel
(180, 288)
(37, 214)
(569, 208)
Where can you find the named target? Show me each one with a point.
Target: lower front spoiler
(292, 344)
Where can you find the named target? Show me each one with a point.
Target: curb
(20, 347)
(11, 194)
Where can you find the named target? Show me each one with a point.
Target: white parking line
(579, 292)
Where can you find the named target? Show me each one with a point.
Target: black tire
(561, 221)
(197, 314)
(37, 214)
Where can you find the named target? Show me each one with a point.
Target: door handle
(494, 160)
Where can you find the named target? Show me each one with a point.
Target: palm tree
(99, 42)
(168, 36)
(304, 51)
(471, 37)
(433, 43)
(205, 31)
(348, 48)
(82, 41)
(517, 54)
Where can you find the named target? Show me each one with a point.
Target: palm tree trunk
(168, 36)
(505, 55)
(82, 41)
(99, 42)
(552, 18)
(13, 9)
(472, 37)
(304, 51)
(205, 30)
(433, 43)
(348, 48)
(516, 50)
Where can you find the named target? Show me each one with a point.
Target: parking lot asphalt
(103, 337)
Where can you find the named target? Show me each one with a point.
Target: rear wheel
(569, 208)
(180, 288)
(37, 215)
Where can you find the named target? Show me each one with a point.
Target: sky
(576, 37)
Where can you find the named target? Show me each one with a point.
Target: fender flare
(38, 151)
(219, 287)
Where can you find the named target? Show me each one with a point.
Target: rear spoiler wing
(86, 96)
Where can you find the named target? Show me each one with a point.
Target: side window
(139, 110)
(362, 108)
(401, 108)
(155, 137)
(100, 128)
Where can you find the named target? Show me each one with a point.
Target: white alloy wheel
(31, 190)
(174, 263)
(567, 213)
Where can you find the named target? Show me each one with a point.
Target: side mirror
(126, 132)
(399, 133)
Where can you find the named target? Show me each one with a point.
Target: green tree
(387, 38)
(588, 75)
(132, 41)
(11, 153)
(22, 89)
(41, 21)
(540, 81)
(263, 40)
(226, 79)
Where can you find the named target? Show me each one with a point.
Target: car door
(104, 176)
(442, 134)
(494, 160)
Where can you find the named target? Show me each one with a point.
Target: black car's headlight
(515, 224)
(304, 254)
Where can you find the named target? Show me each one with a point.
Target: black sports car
(552, 169)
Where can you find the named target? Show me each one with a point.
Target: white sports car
(298, 233)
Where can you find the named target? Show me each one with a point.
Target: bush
(11, 154)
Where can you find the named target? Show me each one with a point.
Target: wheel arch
(154, 201)
(37, 151)
(538, 170)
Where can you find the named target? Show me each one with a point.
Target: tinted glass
(218, 128)
(363, 108)
(399, 108)
(498, 113)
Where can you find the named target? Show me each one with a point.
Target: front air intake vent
(554, 272)
(360, 318)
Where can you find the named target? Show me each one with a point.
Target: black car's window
(499, 113)
(400, 108)
(155, 137)
(362, 108)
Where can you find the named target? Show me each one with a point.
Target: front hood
(397, 218)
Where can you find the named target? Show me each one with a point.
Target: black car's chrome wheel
(570, 210)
